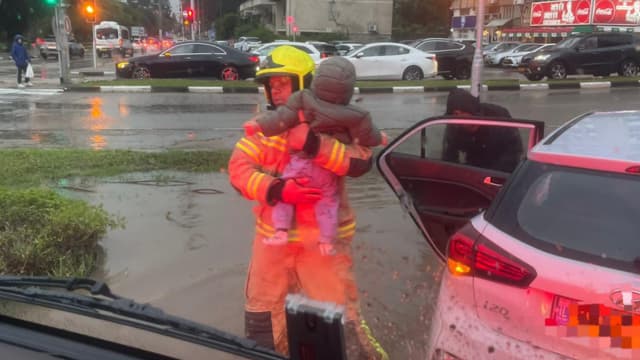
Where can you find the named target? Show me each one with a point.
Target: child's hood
(334, 80)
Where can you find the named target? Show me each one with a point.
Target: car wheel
(449, 76)
(412, 73)
(463, 71)
(534, 77)
(557, 70)
(229, 73)
(141, 73)
(628, 68)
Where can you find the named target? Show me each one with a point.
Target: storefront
(543, 34)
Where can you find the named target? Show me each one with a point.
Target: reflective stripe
(342, 151)
(264, 229)
(252, 185)
(247, 151)
(275, 142)
(334, 150)
(251, 144)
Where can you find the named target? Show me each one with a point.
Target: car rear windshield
(105, 34)
(580, 214)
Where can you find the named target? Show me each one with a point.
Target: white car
(266, 49)
(497, 57)
(245, 43)
(499, 48)
(514, 59)
(541, 250)
(392, 61)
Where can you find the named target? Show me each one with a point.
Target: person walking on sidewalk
(21, 58)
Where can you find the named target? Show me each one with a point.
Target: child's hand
(385, 138)
(251, 127)
(327, 249)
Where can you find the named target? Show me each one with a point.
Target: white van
(112, 37)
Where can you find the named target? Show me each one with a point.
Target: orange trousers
(275, 271)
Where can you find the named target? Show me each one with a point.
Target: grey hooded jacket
(326, 108)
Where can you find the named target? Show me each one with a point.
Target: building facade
(359, 19)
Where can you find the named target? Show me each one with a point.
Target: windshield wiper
(99, 302)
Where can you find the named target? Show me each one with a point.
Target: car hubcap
(558, 71)
(413, 74)
(630, 69)
(142, 73)
(230, 74)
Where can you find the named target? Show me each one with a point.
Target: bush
(43, 233)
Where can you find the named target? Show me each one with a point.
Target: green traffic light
(51, 2)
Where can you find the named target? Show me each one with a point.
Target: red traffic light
(190, 15)
(295, 28)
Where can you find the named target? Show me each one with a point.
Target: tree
(421, 18)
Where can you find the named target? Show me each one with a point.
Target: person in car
(325, 107)
(489, 147)
(255, 170)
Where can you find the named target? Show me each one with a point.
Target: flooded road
(186, 248)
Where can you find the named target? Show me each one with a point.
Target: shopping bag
(29, 73)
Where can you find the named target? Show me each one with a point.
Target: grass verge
(31, 167)
(44, 233)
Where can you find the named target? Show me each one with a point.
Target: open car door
(446, 170)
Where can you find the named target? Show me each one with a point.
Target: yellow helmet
(287, 60)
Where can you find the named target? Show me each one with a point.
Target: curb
(93, 73)
(366, 90)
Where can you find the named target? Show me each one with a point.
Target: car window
(580, 214)
(207, 49)
(373, 51)
(605, 41)
(181, 49)
(590, 43)
(390, 50)
(266, 50)
(125, 34)
(427, 46)
(447, 45)
(303, 48)
(496, 148)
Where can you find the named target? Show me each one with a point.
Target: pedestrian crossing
(11, 95)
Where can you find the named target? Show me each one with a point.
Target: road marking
(124, 88)
(408, 89)
(534, 86)
(595, 85)
(206, 89)
(10, 91)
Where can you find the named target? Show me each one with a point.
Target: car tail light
(471, 254)
(323, 55)
(120, 42)
(254, 59)
(634, 169)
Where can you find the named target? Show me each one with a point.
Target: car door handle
(493, 181)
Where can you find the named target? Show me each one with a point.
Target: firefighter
(255, 168)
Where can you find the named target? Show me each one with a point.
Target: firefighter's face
(280, 89)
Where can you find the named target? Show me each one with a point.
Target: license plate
(560, 310)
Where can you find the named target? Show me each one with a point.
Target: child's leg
(327, 219)
(282, 217)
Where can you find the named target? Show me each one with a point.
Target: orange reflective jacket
(257, 161)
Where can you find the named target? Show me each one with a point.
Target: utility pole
(160, 24)
(476, 68)
(62, 43)
(193, 27)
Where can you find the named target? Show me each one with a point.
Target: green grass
(29, 167)
(44, 233)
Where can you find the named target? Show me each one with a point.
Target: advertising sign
(562, 12)
(616, 12)
(461, 22)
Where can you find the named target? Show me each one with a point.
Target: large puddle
(187, 242)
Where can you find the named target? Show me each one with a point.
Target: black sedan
(191, 59)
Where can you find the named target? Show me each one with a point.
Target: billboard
(561, 12)
(461, 22)
(616, 12)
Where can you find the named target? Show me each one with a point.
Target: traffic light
(89, 12)
(51, 2)
(191, 15)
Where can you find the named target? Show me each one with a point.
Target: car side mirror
(359, 55)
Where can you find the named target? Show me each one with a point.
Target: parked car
(515, 57)
(326, 50)
(531, 251)
(191, 59)
(496, 58)
(48, 48)
(454, 58)
(345, 48)
(498, 48)
(266, 49)
(244, 43)
(599, 54)
(392, 61)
